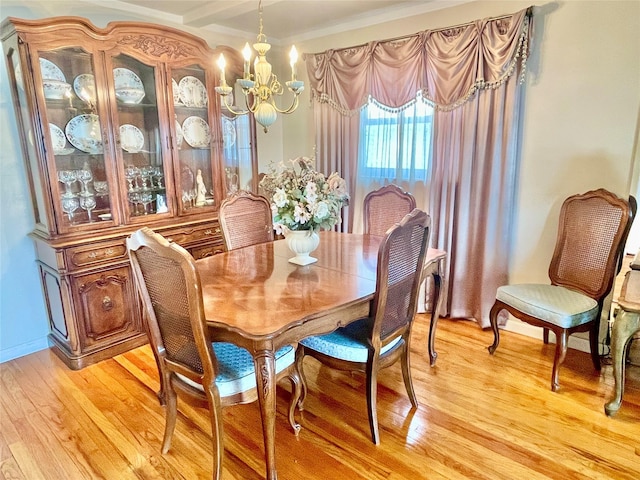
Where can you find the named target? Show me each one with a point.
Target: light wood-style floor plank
(480, 417)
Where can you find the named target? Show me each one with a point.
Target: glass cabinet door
(139, 138)
(75, 138)
(194, 172)
(237, 148)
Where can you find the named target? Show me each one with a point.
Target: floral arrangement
(302, 198)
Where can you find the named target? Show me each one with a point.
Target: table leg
(624, 327)
(265, 366)
(437, 275)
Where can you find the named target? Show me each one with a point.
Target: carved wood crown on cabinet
(120, 127)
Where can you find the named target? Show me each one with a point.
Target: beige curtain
(470, 74)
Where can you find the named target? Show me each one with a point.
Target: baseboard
(23, 349)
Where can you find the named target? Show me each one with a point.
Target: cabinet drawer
(206, 250)
(97, 253)
(188, 236)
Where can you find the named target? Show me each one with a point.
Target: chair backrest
(245, 219)
(399, 275)
(592, 233)
(385, 207)
(169, 286)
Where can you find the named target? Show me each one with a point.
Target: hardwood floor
(480, 416)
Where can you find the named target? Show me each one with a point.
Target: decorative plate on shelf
(59, 141)
(175, 90)
(125, 78)
(131, 138)
(50, 71)
(228, 132)
(128, 86)
(85, 87)
(83, 133)
(196, 132)
(192, 92)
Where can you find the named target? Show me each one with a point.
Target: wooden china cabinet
(120, 127)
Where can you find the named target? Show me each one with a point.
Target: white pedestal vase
(302, 243)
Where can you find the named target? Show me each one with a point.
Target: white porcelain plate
(125, 78)
(85, 87)
(50, 71)
(175, 90)
(196, 132)
(59, 141)
(192, 92)
(131, 138)
(83, 133)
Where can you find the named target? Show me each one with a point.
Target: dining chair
(191, 363)
(245, 219)
(385, 207)
(382, 338)
(593, 228)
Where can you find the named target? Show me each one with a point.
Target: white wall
(580, 117)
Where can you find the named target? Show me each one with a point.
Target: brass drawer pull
(107, 303)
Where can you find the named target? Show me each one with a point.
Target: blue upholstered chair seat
(347, 343)
(236, 371)
(551, 303)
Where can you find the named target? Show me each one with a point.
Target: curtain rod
(528, 13)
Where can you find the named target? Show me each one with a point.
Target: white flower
(301, 214)
(321, 211)
(280, 198)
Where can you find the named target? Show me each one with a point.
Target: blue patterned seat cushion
(236, 371)
(551, 303)
(347, 343)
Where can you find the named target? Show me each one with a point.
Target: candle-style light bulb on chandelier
(261, 87)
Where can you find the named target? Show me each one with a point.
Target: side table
(625, 326)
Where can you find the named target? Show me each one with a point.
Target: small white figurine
(201, 190)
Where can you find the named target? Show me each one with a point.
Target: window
(395, 143)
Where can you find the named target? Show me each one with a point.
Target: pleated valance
(445, 66)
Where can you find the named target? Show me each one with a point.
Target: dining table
(255, 298)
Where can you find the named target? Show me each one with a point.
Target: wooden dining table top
(256, 291)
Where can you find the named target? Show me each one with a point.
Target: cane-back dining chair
(204, 372)
(592, 232)
(379, 340)
(245, 219)
(385, 207)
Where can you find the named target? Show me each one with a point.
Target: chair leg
(594, 339)
(561, 353)
(217, 431)
(406, 376)
(493, 318)
(545, 335)
(296, 390)
(303, 381)
(372, 394)
(171, 413)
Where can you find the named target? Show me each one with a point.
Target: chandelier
(261, 87)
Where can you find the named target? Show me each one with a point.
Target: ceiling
(284, 21)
